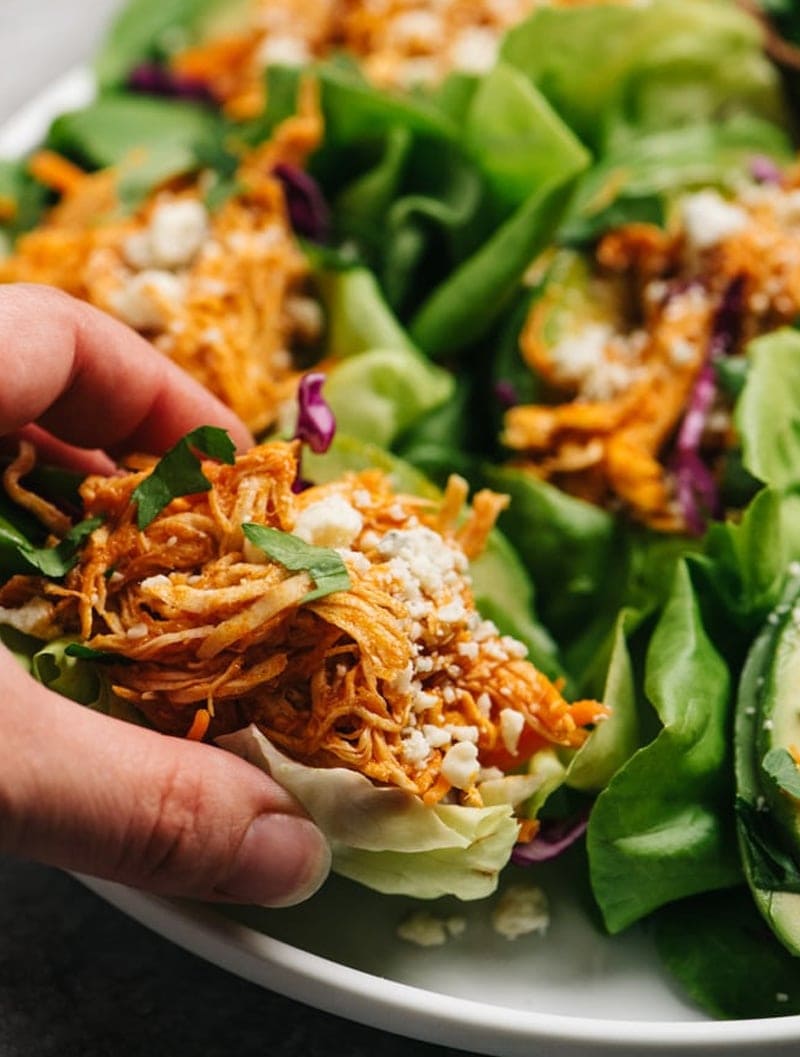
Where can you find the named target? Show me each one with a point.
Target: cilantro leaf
(57, 561)
(782, 769)
(323, 565)
(179, 471)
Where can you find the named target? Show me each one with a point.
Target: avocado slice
(780, 722)
(768, 821)
(574, 296)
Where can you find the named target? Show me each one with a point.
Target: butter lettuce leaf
(21, 646)
(568, 547)
(385, 837)
(350, 454)
(617, 72)
(504, 594)
(612, 742)
(69, 676)
(663, 829)
(447, 214)
(79, 679)
(464, 306)
(767, 414)
(378, 394)
(516, 137)
(358, 317)
(637, 181)
(745, 561)
(149, 140)
(718, 950)
(378, 383)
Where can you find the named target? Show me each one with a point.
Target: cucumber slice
(766, 718)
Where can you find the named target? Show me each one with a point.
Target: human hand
(80, 790)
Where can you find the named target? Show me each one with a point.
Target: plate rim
(361, 996)
(23, 130)
(342, 990)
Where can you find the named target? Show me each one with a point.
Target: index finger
(92, 381)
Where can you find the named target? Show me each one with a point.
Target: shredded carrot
(528, 828)
(55, 171)
(437, 792)
(200, 725)
(586, 712)
(8, 209)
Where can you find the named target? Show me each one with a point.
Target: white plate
(339, 952)
(25, 129)
(571, 993)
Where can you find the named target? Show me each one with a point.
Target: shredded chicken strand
(225, 294)
(49, 515)
(620, 370)
(385, 677)
(400, 44)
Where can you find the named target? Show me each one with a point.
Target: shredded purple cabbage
(727, 325)
(700, 403)
(154, 79)
(553, 838)
(506, 393)
(764, 170)
(316, 423)
(308, 210)
(698, 494)
(697, 491)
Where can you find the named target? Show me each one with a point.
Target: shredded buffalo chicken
(224, 293)
(658, 306)
(397, 677)
(399, 44)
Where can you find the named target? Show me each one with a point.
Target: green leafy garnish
(323, 564)
(179, 472)
(54, 562)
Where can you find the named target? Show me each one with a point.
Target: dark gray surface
(80, 979)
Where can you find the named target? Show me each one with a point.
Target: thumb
(85, 792)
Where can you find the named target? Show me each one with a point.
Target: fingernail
(281, 861)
